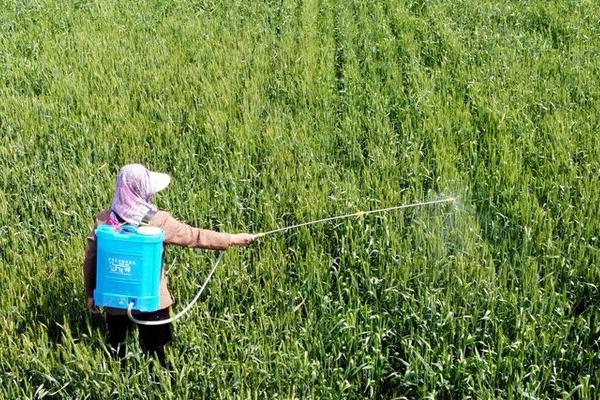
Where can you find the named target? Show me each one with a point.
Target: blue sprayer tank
(128, 267)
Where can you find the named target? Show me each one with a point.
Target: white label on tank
(119, 266)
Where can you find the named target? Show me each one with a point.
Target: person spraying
(132, 206)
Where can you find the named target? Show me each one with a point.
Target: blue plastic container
(128, 267)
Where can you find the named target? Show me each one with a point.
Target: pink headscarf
(135, 187)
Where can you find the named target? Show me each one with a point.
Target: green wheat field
(272, 113)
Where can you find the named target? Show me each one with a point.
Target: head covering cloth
(135, 187)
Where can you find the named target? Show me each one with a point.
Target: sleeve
(89, 265)
(182, 234)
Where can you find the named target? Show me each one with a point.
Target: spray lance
(278, 230)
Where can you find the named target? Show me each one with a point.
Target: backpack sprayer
(129, 264)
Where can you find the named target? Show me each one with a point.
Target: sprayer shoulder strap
(149, 215)
(145, 220)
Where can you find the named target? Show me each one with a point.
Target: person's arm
(89, 271)
(182, 234)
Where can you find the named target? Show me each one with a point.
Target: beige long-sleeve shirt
(176, 233)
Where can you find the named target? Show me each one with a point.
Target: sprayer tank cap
(149, 230)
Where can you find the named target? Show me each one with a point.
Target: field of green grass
(278, 112)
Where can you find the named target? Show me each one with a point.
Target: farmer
(132, 204)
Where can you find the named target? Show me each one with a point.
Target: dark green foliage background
(277, 112)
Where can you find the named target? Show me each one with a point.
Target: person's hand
(242, 239)
(92, 306)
